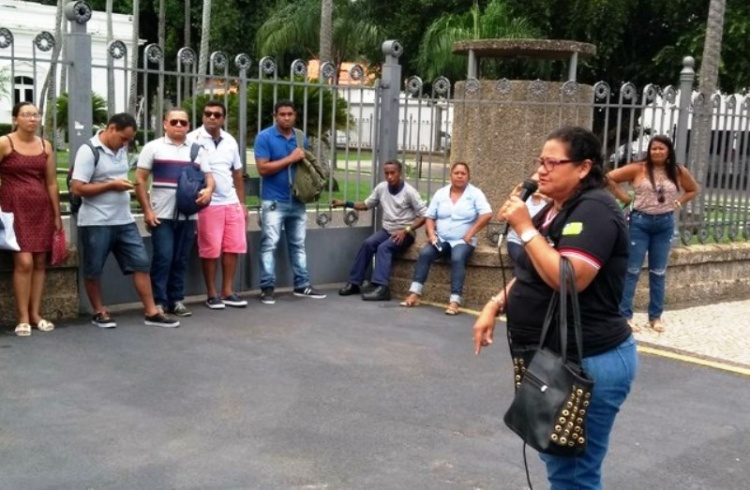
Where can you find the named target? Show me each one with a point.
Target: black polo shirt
(590, 227)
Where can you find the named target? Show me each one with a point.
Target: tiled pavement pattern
(719, 332)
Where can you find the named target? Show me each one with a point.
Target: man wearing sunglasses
(172, 234)
(221, 225)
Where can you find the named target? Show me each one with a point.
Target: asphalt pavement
(327, 394)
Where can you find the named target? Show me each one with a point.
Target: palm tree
(436, 56)
(133, 96)
(187, 26)
(203, 55)
(707, 84)
(47, 94)
(295, 25)
(326, 30)
(110, 62)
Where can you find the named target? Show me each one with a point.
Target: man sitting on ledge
(403, 212)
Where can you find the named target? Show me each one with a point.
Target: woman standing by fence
(29, 190)
(661, 187)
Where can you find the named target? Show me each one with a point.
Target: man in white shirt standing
(172, 234)
(221, 226)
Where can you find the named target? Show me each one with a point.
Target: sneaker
(161, 320)
(179, 309)
(103, 320)
(266, 296)
(309, 292)
(215, 303)
(234, 300)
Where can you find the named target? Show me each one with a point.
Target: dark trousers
(383, 248)
(172, 241)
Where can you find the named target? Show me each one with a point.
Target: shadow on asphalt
(325, 394)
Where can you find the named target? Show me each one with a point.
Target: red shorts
(221, 229)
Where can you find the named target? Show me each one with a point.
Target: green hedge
(5, 129)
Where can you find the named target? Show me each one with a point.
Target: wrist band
(349, 204)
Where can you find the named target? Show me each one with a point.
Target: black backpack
(191, 181)
(76, 201)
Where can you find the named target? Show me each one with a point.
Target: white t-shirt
(165, 159)
(223, 158)
(107, 208)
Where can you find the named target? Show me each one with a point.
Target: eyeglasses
(179, 122)
(660, 194)
(30, 115)
(214, 114)
(549, 164)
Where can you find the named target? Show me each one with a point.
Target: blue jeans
(293, 217)
(429, 253)
(613, 373)
(172, 242)
(650, 233)
(383, 248)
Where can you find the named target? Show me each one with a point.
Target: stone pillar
(499, 127)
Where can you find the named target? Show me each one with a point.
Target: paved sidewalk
(327, 395)
(718, 332)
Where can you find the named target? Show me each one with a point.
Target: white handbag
(8, 233)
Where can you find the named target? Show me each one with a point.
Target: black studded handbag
(553, 393)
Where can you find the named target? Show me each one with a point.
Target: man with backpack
(166, 159)
(278, 155)
(221, 225)
(105, 221)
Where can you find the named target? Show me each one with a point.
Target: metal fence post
(687, 78)
(386, 146)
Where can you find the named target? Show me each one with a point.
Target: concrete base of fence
(60, 300)
(698, 274)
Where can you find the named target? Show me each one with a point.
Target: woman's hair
(464, 164)
(583, 145)
(17, 108)
(670, 165)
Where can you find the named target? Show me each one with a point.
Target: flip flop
(410, 301)
(45, 326)
(452, 309)
(23, 330)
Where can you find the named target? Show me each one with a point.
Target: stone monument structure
(499, 127)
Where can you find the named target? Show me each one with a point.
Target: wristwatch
(528, 235)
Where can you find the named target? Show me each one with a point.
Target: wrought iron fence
(341, 113)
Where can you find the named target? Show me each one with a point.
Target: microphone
(528, 188)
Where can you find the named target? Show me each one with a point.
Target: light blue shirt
(107, 208)
(453, 221)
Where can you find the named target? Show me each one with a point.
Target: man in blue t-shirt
(276, 157)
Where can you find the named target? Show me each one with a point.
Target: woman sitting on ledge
(457, 212)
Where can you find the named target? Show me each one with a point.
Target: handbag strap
(559, 304)
(575, 305)
(300, 144)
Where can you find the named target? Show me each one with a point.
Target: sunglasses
(660, 194)
(214, 114)
(179, 122)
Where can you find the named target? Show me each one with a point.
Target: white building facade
(26, 39)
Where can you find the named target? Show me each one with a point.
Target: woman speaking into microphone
(583, 223)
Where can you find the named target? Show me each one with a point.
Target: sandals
(657, 325)
(634, 327)
(45, 326)
(23, 330)
(410, 301)
(452, 309)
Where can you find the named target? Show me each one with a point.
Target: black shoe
(349, 289)
(267, 297)
(309, 292)
(368, 288)
(380, 293)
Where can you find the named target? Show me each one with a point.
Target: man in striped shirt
(172, 234)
